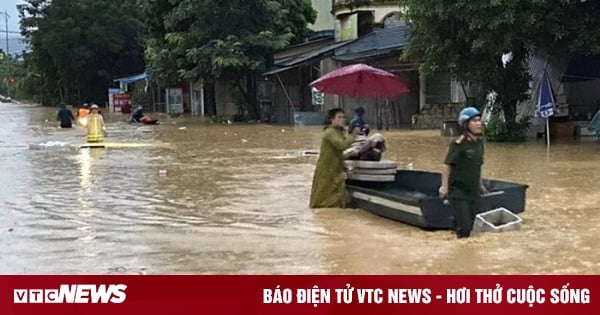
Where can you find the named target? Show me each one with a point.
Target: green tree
(222, 40)
(79, 47)
(469, 38)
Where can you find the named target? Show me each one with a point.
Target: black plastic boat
(413, 199)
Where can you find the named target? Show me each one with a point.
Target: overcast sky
(11, 7)
(13, 25)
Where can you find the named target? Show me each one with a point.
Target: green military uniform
(465, 157)
(328, 187)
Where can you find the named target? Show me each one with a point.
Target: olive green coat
(328, 189)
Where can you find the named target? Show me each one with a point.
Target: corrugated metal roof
(133, 78)
(276, 70)
(298, 60)
(364, 55)
(380, 42)
(295, 60)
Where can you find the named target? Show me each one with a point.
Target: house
(286, 86)
(346, 32)
(370, 32)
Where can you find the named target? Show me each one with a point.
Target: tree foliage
(212, 39)
(79, 47)
(469, 37)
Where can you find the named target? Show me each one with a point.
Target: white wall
(324, 20)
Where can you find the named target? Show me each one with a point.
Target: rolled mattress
(383, 164)
(371, 178)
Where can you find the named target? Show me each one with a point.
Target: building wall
(432, 116)
(348, 20)
(285, 98)
(583, 96)
(380, 11)
(225, 98)
(346, 27)
(325, 20)
(331, 101)
(291, 91)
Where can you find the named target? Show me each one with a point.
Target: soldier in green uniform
(328, 187)
(461, 175)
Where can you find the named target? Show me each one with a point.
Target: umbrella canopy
(361, 81)
(546, 105)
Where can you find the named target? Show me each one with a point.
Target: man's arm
(446, 170)
(482, 187)
(452, 158)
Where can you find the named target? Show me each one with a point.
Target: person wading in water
(328, 187)
(95, 126)
(82, 114)
(65, 117)
(358, 121)
(461, 175)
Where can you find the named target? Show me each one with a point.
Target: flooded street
(235, 201)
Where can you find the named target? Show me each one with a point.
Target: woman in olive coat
(328, 187)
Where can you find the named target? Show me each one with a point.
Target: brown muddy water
(235, 201)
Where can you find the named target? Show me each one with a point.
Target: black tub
(413, 199)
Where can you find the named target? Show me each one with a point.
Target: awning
(305, 58)
(277, 70)
(133, 78)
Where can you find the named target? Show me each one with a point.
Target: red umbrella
(361, 81)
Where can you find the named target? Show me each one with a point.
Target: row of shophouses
(371, 32)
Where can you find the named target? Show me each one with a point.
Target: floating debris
(118, 269)
(182, 128)
(244, 140)
(309, 153)
(162, 172)
(50, 144)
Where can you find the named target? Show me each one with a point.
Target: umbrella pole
(547, 132)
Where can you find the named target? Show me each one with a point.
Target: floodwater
(235, 201)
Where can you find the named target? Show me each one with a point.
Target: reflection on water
(86, 209)
(235, 200)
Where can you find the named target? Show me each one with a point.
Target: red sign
(120, 100)
(302, 295)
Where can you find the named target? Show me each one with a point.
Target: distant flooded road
(235, 201)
